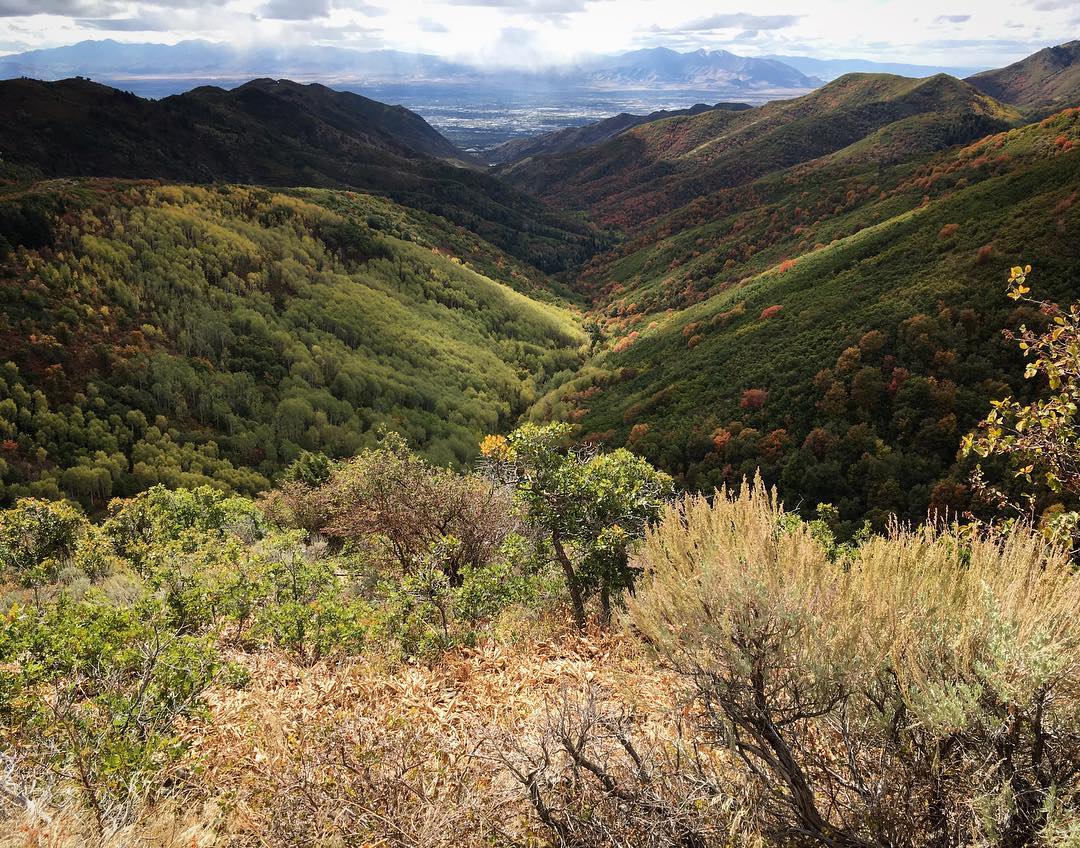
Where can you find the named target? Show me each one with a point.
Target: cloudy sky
(530, 32)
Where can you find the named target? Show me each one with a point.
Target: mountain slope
(1049, 79)
(575, 138)
(280, 134)
(830, 69)
(699, 68)
(187, 335)
(836, 324)
(656, 168)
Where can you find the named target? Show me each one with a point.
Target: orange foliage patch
(625, 342)
(753, 399)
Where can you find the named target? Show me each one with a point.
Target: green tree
(311, 469)
(593, 506)
(1040, 439)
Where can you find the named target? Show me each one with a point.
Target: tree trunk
(571, 581)
(605, 604)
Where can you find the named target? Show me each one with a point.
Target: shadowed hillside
(1049, 79)
(281, 134)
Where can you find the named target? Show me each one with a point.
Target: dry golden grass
(926, 683)
(360, 754)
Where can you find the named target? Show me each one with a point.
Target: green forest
(837, 326)
(189, 336)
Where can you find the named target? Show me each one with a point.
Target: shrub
(394, 507)
(91, 697)
(753, 399)
(917, 689)
(1038, 439)
(161, 515)
(37, 538)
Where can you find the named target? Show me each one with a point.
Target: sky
(985, 33)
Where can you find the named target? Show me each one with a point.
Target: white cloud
(988, 34)
(741, 21)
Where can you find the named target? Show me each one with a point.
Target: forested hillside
(575, 138)
(837, 325)
(276, 133)
(186, 335)
(811, 287)
(660, 167)
(1044, 81)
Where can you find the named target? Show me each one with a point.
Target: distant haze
(543, 33)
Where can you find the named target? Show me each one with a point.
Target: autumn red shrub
(753, 399)
(770, 311)
(637, 433)
(948, 231)
(983, 254)
(625, 342)
(720, 438)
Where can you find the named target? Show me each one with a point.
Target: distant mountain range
(829, 69)
(116, 62)
(113, 60)
(664, 67)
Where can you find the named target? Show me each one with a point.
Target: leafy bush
(37, 538)
(393, 508)
(305, 610)
(921, 690)
(158, 516)
(1039, 439)
(91, 697)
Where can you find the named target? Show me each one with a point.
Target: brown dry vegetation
(764, 687)
(354, 753)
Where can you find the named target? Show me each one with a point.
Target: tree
(593, 506)
(1041, 439)
(400, 510)
(311, 469)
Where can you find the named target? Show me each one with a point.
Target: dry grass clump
(168, 826)
(415, 756)
(921, 689)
